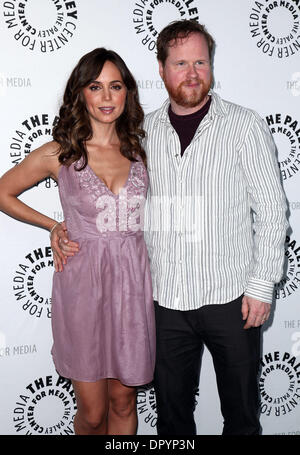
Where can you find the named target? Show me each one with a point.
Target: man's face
(187, 74)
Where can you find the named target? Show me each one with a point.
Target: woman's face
(105, 97)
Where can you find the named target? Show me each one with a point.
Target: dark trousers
(235, 353)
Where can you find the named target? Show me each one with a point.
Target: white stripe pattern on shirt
(215, 220)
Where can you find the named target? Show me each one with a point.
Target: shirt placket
(179, 220)
(180, 237)
(182, 207)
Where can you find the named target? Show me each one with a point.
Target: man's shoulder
(243, 119)
(153, 116)
(232, 108)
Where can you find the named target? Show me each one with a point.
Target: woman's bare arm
(39, 164)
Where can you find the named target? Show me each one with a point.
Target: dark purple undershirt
(186, 125)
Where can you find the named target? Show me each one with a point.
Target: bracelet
(53, 227)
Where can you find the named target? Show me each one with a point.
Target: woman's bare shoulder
(45, 158)
(49, 149)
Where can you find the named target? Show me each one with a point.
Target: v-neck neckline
(109, 190)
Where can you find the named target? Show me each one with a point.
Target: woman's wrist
(54, 226)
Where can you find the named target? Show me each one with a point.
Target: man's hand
(61, 246)
(254, 311)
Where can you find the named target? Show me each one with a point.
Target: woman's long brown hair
(73, 128)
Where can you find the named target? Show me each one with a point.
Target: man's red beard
(195, 97)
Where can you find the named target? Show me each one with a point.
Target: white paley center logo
(32, 282)
(46, 406)
(275, 27)
(151, 16)
(279, 384)
(41, 28)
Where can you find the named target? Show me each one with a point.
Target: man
(215, 228)
(210, 162)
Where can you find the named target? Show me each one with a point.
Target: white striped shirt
(215, 220)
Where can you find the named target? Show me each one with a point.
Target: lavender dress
(102, 307)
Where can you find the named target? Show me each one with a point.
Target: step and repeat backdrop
(257, 64)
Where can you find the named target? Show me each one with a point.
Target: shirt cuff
(260, 290)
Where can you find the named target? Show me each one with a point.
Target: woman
(102, 314)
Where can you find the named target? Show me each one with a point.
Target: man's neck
(183, 110)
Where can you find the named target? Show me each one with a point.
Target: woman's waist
(106, 235)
